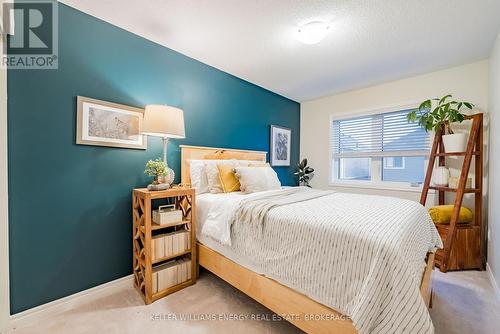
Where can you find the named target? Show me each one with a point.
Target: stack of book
(171, 273)
(167, 245)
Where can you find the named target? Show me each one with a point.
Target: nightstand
(164, 256)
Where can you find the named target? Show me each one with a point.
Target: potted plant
(444, 113)
(305, 173)
(156, 168)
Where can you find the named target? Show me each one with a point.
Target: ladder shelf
(463, 243)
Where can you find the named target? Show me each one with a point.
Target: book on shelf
(167, 275)
(180, 268)
(180, 242)
(168, 245)
(171, 244)
(154, 280)
(158, 247)
(171, 273)
(188, 269)
(175, 243)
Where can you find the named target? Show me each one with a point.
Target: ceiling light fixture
(313, 32)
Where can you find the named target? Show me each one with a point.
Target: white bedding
(361, 255)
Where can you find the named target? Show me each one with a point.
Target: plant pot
(158, 187)
(456, 142)
(441, 176)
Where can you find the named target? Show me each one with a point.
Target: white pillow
(212, 173)
(254, 179)
(198, 176)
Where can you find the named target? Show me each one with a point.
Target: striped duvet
(360, 255)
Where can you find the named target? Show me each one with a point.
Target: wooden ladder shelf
(463, 243)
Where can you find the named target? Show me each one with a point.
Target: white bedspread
(361, 255)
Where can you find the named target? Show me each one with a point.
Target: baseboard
(493, 281)
(67, 303)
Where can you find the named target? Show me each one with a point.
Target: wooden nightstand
(153, 267)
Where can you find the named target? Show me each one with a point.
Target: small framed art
(281, 140)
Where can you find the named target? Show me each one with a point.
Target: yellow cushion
(227, 178)
(441, 214)
(259, 164)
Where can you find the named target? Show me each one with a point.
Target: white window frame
(377, 165)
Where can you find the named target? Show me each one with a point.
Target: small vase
(168, 178)
(441, 176)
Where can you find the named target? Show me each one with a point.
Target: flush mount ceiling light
(313, 32)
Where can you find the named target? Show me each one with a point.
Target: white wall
(494, 195)
(4, 239)
(467, 82)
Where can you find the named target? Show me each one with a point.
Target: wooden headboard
(213, 153)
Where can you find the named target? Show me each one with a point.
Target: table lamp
(165, 122)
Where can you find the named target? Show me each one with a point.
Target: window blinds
(379, 135)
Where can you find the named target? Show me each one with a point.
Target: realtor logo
(32, 26)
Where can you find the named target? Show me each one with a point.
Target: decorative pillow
(259, 164)
(227, 178)
(254, 179)
(198, 176)
(212, 172)
(441, 214)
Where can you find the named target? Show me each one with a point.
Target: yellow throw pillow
(227, 178)
(441, 214)
(259, 164)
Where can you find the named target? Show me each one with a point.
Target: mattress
(360, 255)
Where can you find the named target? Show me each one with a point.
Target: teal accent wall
(70, 205)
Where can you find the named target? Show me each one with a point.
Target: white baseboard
(493, 281)
(67, 303)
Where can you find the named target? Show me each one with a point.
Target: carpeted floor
(464, 302)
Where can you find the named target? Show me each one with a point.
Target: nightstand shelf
(167, 258)
(156, 227)
(166, 292)
(177, 270)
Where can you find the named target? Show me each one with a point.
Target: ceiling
(371, 41)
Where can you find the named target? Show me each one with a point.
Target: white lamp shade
(163, 121)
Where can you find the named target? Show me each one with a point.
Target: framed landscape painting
(101, 123)
(281, 139)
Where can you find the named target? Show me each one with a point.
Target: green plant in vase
(442, 115)
(156, 168)
(305, 173)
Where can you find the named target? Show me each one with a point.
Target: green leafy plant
(305, 173)
(156, 168)
(444, 113)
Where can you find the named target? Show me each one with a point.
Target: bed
(309, 271)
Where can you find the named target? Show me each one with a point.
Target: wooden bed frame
(300, 310)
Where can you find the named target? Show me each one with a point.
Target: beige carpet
(463, 303)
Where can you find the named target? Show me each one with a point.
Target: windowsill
(378, 186)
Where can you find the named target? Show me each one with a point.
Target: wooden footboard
(280, 299)
(425, 285)
(294, 306)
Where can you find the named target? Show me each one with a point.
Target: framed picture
(281, 139)
(101, 123)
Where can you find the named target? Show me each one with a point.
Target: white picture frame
(280, 145)
(101, 123)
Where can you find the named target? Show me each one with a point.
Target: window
(381, 148)
(394, 163)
